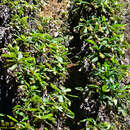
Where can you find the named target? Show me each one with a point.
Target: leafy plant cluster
(98, 49)
(38, 63)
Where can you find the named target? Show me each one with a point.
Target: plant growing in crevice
(98, 49)
(38, 63)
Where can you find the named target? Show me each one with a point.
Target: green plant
(99, 47)
(38, 62)
(38, 71)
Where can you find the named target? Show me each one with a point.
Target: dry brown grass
(53, 8)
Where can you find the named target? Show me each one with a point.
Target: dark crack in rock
(89, 105)
(7, 82)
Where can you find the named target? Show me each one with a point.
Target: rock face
(7, 82)
(5, 35)
(126, 20)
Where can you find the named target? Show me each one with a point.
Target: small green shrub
(40, 72)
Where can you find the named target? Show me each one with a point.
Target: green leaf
(20, 55)
(85, 30)
(12, 68)
(70, 114)
(84, 2)
(79, 89)
(45, 36)
(60, 59)
(93, 86)
(13, 119)
(118, 25)
(1, 114)
(60, 98)
(95, 59)
(105, 88)
(36, 99)
(48, 116)
(101, 55)
(90, 41)
(125, 66)
(57, 89)
(115, 101)
(103, 18)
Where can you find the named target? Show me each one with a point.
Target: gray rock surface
(126, 20)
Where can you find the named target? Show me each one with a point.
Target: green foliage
(102, 49)
(38, 63)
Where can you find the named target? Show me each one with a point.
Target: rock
(4, 15)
